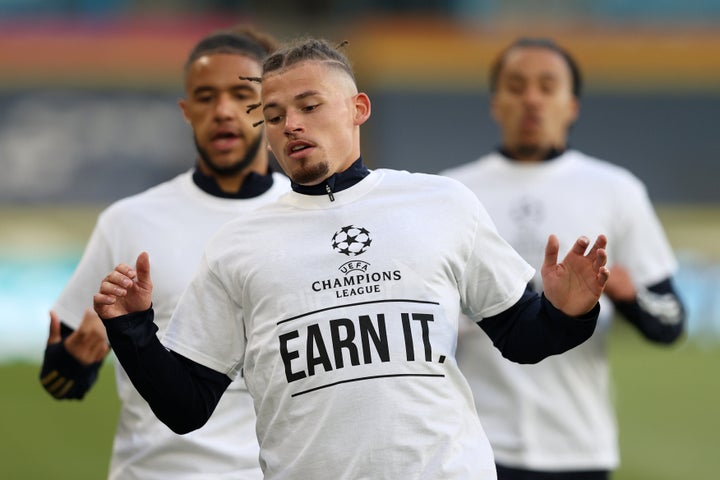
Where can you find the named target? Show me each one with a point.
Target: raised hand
(574, 286)
(88, 344)
(620, 286)
(125, 290)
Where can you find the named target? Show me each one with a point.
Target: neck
(537, 155)
(337, 182)
(251, 184)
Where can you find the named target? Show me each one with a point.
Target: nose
(532, 95)
(224, 107)
(293, 123)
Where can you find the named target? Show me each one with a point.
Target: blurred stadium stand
(89, 89)
(77, 77)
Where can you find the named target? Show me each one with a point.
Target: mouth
(224, 140)
(298, 148)
(530, 122)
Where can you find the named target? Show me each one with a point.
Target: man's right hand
(88, 344)
(125, 290)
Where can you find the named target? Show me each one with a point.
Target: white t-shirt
(343, 316)
(558, 414)
(172, 222)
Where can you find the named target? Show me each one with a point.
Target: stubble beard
(312, 175)
(235, 168)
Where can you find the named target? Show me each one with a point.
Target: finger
(90, 318)
(92, 326)
(142, 266)
(54, 336)
(551, 251)
(98, 351)
(603, 276)
(580, 245)
(100, 300)
(600, 242)
(121, 279)
(600, 258)
(112, 289)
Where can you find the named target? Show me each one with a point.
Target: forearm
(62, 376)
(533, 329)
(656, 312)
(181, 393)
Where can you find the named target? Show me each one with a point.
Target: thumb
(54, 336)
(551, 252)
(142, 268)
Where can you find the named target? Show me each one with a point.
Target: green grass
(668, 404)
(43, 438)
(667, 400)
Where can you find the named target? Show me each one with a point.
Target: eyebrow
(299, 96)
(209, 88)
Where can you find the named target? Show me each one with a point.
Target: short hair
(238, 40)
(308, 49)
(547, 44)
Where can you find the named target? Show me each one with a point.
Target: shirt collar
(552, 154)
(254, 185)
(337, 182)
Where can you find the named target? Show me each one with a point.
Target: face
(312, 117)
(533, 103)
(216, 107)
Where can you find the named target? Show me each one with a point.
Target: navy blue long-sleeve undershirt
(183, 394)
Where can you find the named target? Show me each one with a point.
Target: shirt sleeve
(181, 393)
(207, 324)
(534, 329)
(77, 295)
(643, 249)
(494, 276)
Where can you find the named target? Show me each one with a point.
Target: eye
(273, 120)
(548, 87)
(310, 108)
(515, 87)
(246, 95)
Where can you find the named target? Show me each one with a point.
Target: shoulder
(144, 200)
(432, 193)
(473, 168)
(423, 182)
(614, 175)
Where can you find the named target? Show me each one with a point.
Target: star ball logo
(357, 278)
(351, 240)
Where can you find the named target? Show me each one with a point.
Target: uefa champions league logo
(351, 240)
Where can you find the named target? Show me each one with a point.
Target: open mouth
(224, 140)
(298, 146)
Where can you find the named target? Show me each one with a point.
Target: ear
(362, 108)
(183, 106)
(575, 113)
(493, 109)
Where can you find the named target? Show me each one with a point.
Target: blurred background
(88, 114)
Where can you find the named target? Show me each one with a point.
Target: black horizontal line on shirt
(373, 377)
(390, 300)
